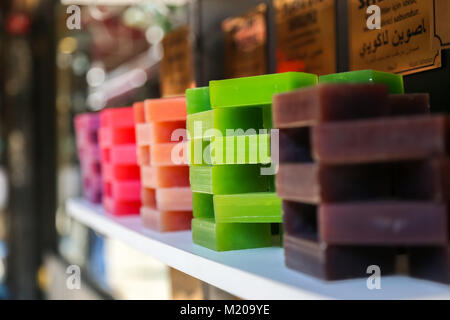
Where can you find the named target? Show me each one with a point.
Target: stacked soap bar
(121, 176)
(229, 151)
(363, 171)
(166, 195)
(86, 127)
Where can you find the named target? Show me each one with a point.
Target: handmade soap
(257, 90)
(393, 81)
(120, 172)
(168, 154)
(166, 109)
(128, 190)
(109, 136)
(431, 263)
(330, 263)
(174, 199)
(230, 236)
(295, 145)
(172, 131)
(332, 102)
(120, 208)
(315, 183)
(225, 122)
(120, 154)
(166, 221)
(199, 152)
(409, 104)
(148, 196)
(117, 117)
(139, 112)
(384, 223)
(197, 100)
(143, 134)
(143, 155)
(229, 179)
(247, 149)
(260, 207)
(165, 177)
(386, 139)
(202, 205)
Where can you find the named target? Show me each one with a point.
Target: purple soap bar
(381, 140)
(335, 262)
(329, 102)
(314, 183)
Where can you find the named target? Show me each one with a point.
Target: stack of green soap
(234, 205)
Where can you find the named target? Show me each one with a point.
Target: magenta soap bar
(113, 136)
(126, 190)
(121, 208)
(120, 172)
(120, 154)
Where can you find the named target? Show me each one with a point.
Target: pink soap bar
(172, 131)
(87, 138)
(144, 134)
(113, 136)
(89, 153)
(121, 208)
(123, 190)
(120, 172)
(139, 114)
(117, 117)
(148, 197)
(165, 177)
(174, 199)
(143, 155)
(87, 121)
(168, 154)
(166, 221)
(91, 168)
(168, 109)
(120, 154)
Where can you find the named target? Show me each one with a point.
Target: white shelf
(249, 274)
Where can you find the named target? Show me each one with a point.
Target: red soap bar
(120, 172)
(121, 208)
(120, 154)
(174, 199)
(295, 145)
(387, 139)
(165, 177)
(143, 134)
(148, 196)
(113, 136)
(329, 262)
(329, 102)
(409, 104)
(314, 183)
(117, 118)
(167, 109)
(168, 154)
(384, 223)
(166, 221)
(139, 113)
(143, 155)
(162, 131)
(123, 190)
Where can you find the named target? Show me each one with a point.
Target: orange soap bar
(144, 134)
(117, 117)
(168, 154)
(143, 155)
(148, 197)
(167, 109)
(139, 114)
(121, 208)
(174, 199)
(172, 131)
(165, 177)
(166, 221)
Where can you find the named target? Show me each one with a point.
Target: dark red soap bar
(314, 183)
(430, 263)
(335, 262)
(409, 104)
(381, 140)
(295, 145)
(329, 102)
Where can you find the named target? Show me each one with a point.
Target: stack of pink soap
(86, 126)
(121, 174)
(166, 192)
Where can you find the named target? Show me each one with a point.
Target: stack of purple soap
(86, 127)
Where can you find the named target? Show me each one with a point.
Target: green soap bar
(257, 90)
(261, 207)
(197, 100)
(393, 81)
(202, 205)
(230, 179)
(232, 121)
(251, 149)
(230, 236)
(198, 152)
